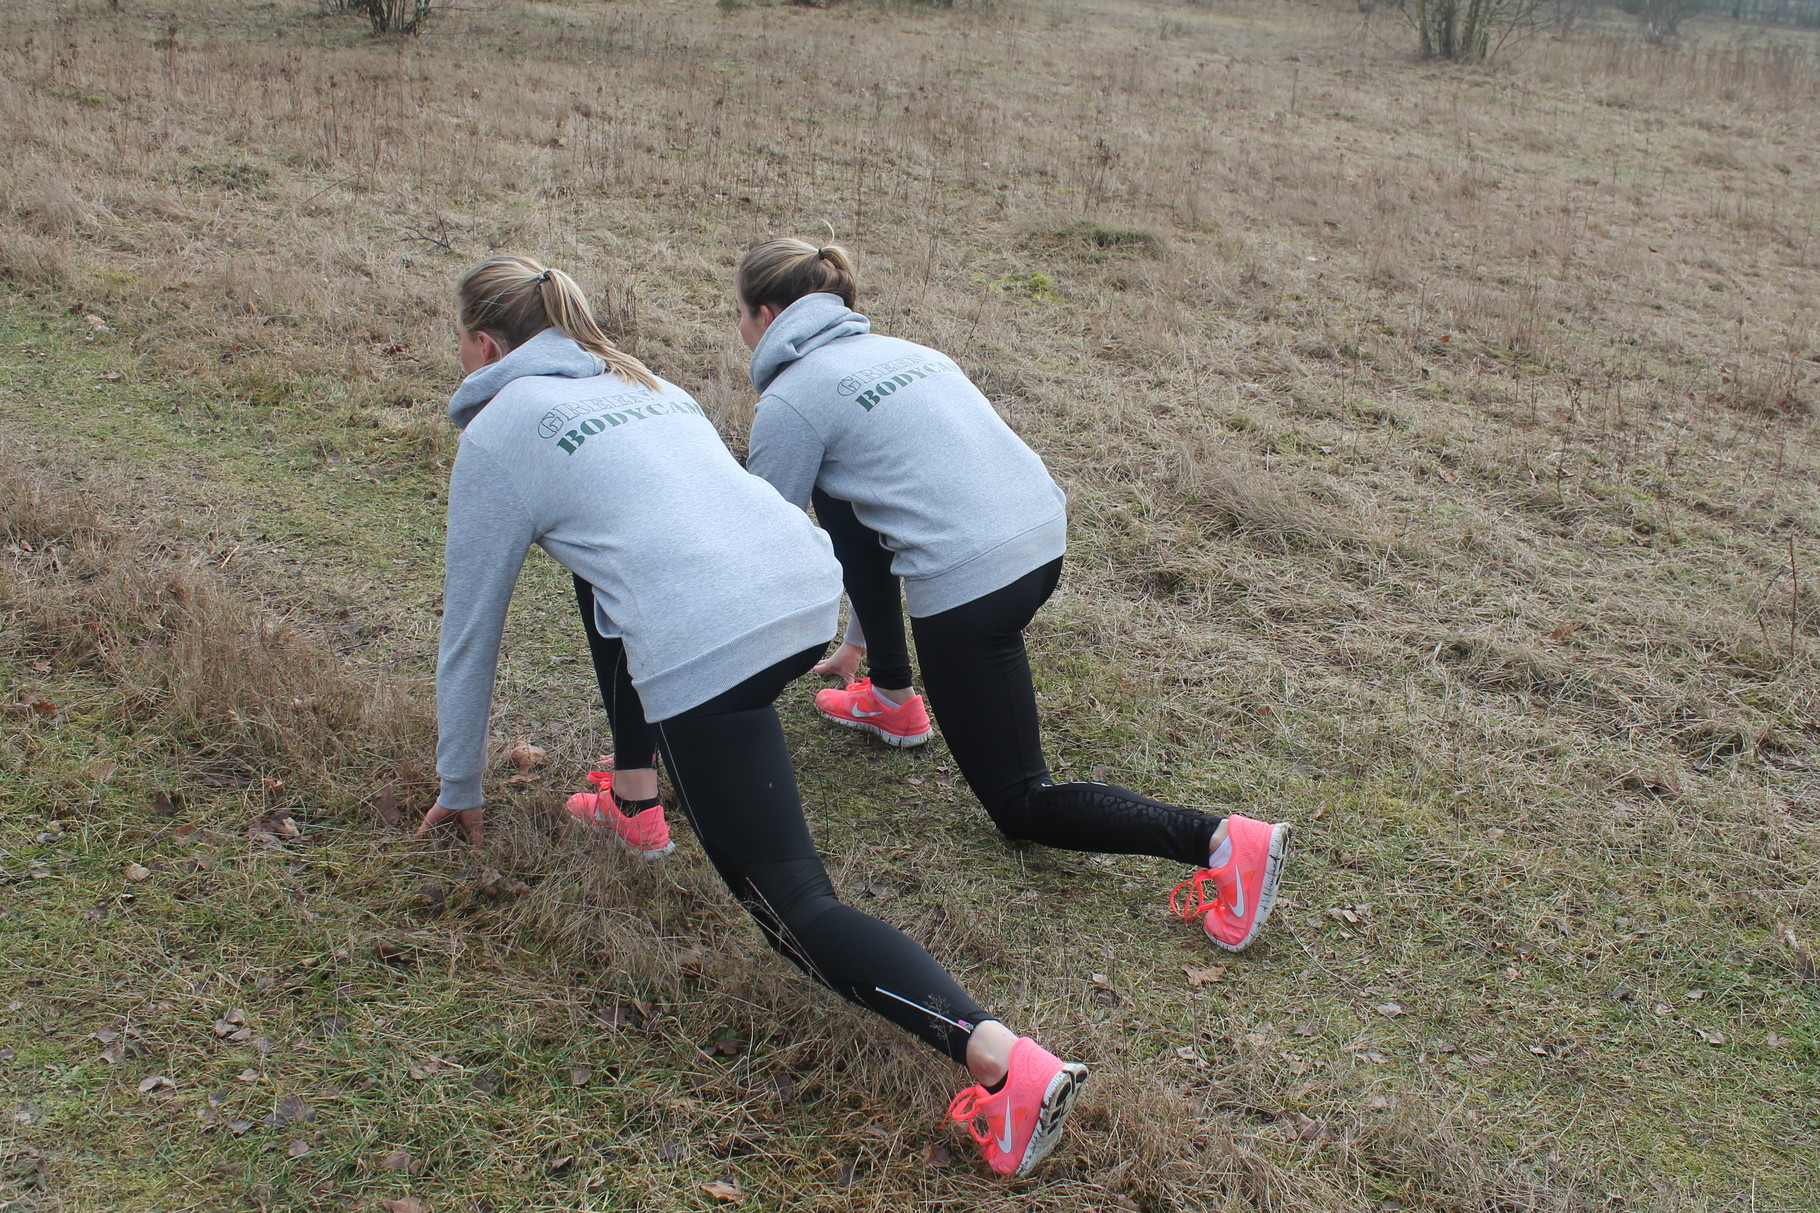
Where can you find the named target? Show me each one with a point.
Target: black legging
(976, 673)
(872, 589)
(634, 740)
(730, 767)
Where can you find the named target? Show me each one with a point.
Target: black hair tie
(821, 254)
(544, 277)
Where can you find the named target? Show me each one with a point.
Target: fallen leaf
(1340, 913)
(397, 1160)
(1711, 1037)
(580, 1076)
(1539, 1050)
(298, 1148)
(408, 1204)
(137, 872)
(725, 1189)
(274, 829)
(8, 1053)
(494, 885)
(388, 806)
(526, 756)
(1774, 1041)
(484, 1084)
(39, 704)
(291, 1108)
(237, 1127)
(937, 1156)
(1100, 979)
(154, 1083)
(248, 1075)
(849, 1175)
(106, 1035)
(1204, 976)
(390, 953)
(1389, 1009)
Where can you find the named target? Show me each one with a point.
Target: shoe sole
(902, 743)
(1267, 892)
(1058, 1102)
(602, 827)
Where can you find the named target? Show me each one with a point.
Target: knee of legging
(1014, 811)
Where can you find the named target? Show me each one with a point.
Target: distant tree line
(1475, 30)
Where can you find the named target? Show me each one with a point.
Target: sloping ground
(1441, 452)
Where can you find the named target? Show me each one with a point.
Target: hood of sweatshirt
(551, 352)
(806, 325)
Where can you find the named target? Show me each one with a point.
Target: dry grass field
(1441, 448)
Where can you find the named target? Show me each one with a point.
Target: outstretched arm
(489, 533)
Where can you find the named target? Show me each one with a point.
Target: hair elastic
(544, 277)
(821, 254)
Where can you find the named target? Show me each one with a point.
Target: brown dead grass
(252, 699)
(1452, 466)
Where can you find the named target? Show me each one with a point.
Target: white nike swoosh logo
(1004, 1141)
(864, 712)
(1238, 910)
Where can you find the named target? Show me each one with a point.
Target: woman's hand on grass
(470, 820)
(843, 662)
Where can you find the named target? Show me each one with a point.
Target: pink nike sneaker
(645, 834)
(1017, 1125)
(1244, 890)
(859, 707)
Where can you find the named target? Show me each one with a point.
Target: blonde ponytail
(780, 271)
(515, 298)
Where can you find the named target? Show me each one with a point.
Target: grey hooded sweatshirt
(897, 430)
(705, 573)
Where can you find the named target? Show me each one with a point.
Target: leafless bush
(1471, 30)
(395, 16)
(1660, 19)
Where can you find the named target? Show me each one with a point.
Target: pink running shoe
(859, 707)
(1017, 1125)
(645, 834)
(1245, 888)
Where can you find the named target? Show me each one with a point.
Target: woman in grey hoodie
(709, 594)
(917, 478)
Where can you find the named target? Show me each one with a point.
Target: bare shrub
(1471, 30)
(395, 16)
(1660, 20)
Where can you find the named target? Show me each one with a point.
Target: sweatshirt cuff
(460, 794)
(856, 635)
